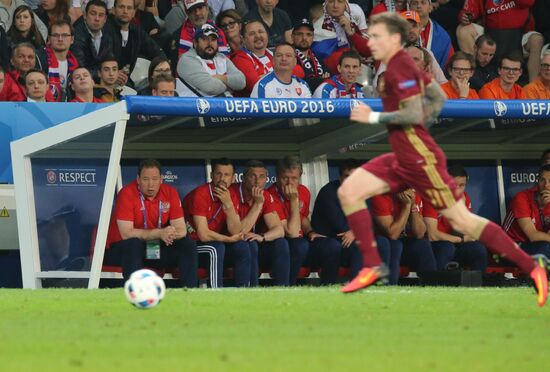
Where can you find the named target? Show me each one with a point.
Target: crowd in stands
(474, 48)
(252, 228)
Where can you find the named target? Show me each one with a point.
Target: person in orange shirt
(504, 86)
(540, 87)
(461, 69)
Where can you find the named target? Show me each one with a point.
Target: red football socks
(494, 238)
(361, 224)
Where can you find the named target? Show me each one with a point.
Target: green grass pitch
(271, 329)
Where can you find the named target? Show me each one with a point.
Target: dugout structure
(239, 128)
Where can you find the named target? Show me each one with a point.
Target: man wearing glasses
(59, 60)
(505, 86)
(460, 68)
(540, 87)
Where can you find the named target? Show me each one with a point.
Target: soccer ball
(145, 289)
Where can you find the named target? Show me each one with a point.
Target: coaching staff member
(148, 227)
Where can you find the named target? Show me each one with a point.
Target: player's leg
(371, 179)
(495, 239)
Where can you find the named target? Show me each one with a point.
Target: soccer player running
(410, 97)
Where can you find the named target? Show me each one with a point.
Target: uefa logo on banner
(169, 177)
(353, 103)
(51, 177)
(203, 106)
(500, 108)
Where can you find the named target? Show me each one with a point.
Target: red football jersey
(524, 205)
(388, 205)
(202, 202)
(129, 207)
(282, 204)
(244, 208)
(442, 224)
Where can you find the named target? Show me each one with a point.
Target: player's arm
(410, 113)
(434, 234)
(308, 229)
(206, 235)
(393, 227)
(274, 227)
(417, 225)
(128, 231)
(435, 99)
(180, 226)
(529, 229)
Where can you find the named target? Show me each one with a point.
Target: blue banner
(322, 108)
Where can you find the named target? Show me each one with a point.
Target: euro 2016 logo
(203, 106)
(500, 108)
(51, 177)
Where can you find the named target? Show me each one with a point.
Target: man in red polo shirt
(446, 243)
(528, 220)
(148, 227)
(398, 218)
(293, 200)
(261, 225)
(213, 220)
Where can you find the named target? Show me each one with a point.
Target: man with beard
(197, 15)
(204, 71)
(302, 38)
(60, 61)
(344, 84)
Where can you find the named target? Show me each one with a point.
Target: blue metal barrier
(322, 108)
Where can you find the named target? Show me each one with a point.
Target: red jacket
(501, 14)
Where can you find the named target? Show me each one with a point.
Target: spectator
(254, 59)
(23, 29)
(328, 220)
(344, 84)
(528, 216)
(212, 210)
(505, 87)
(82, 85)
(540, 87)
(4, 49)
(432, 35)
(485, 71)
(389, 6)
(130, 41)
(204, 71)
(336, 32)
(145, 19)
(508, 22)
(398, 216)
(261, 225)
(302, 39)
(425, 61)
(92, 37)
(197, 13)
(164, 86)
(2, 80)
(7, 10)
(292, 199)
(148, 227)
(281, 83)
(231, 23)
(541, 13)
(276, 21)
(107, 90)
(23, 59)
(446, 244)
(60, 61)
(50, 11)
(460, 69)
(545, 157)
(36, 85)
(219, 6)
(160, 66)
